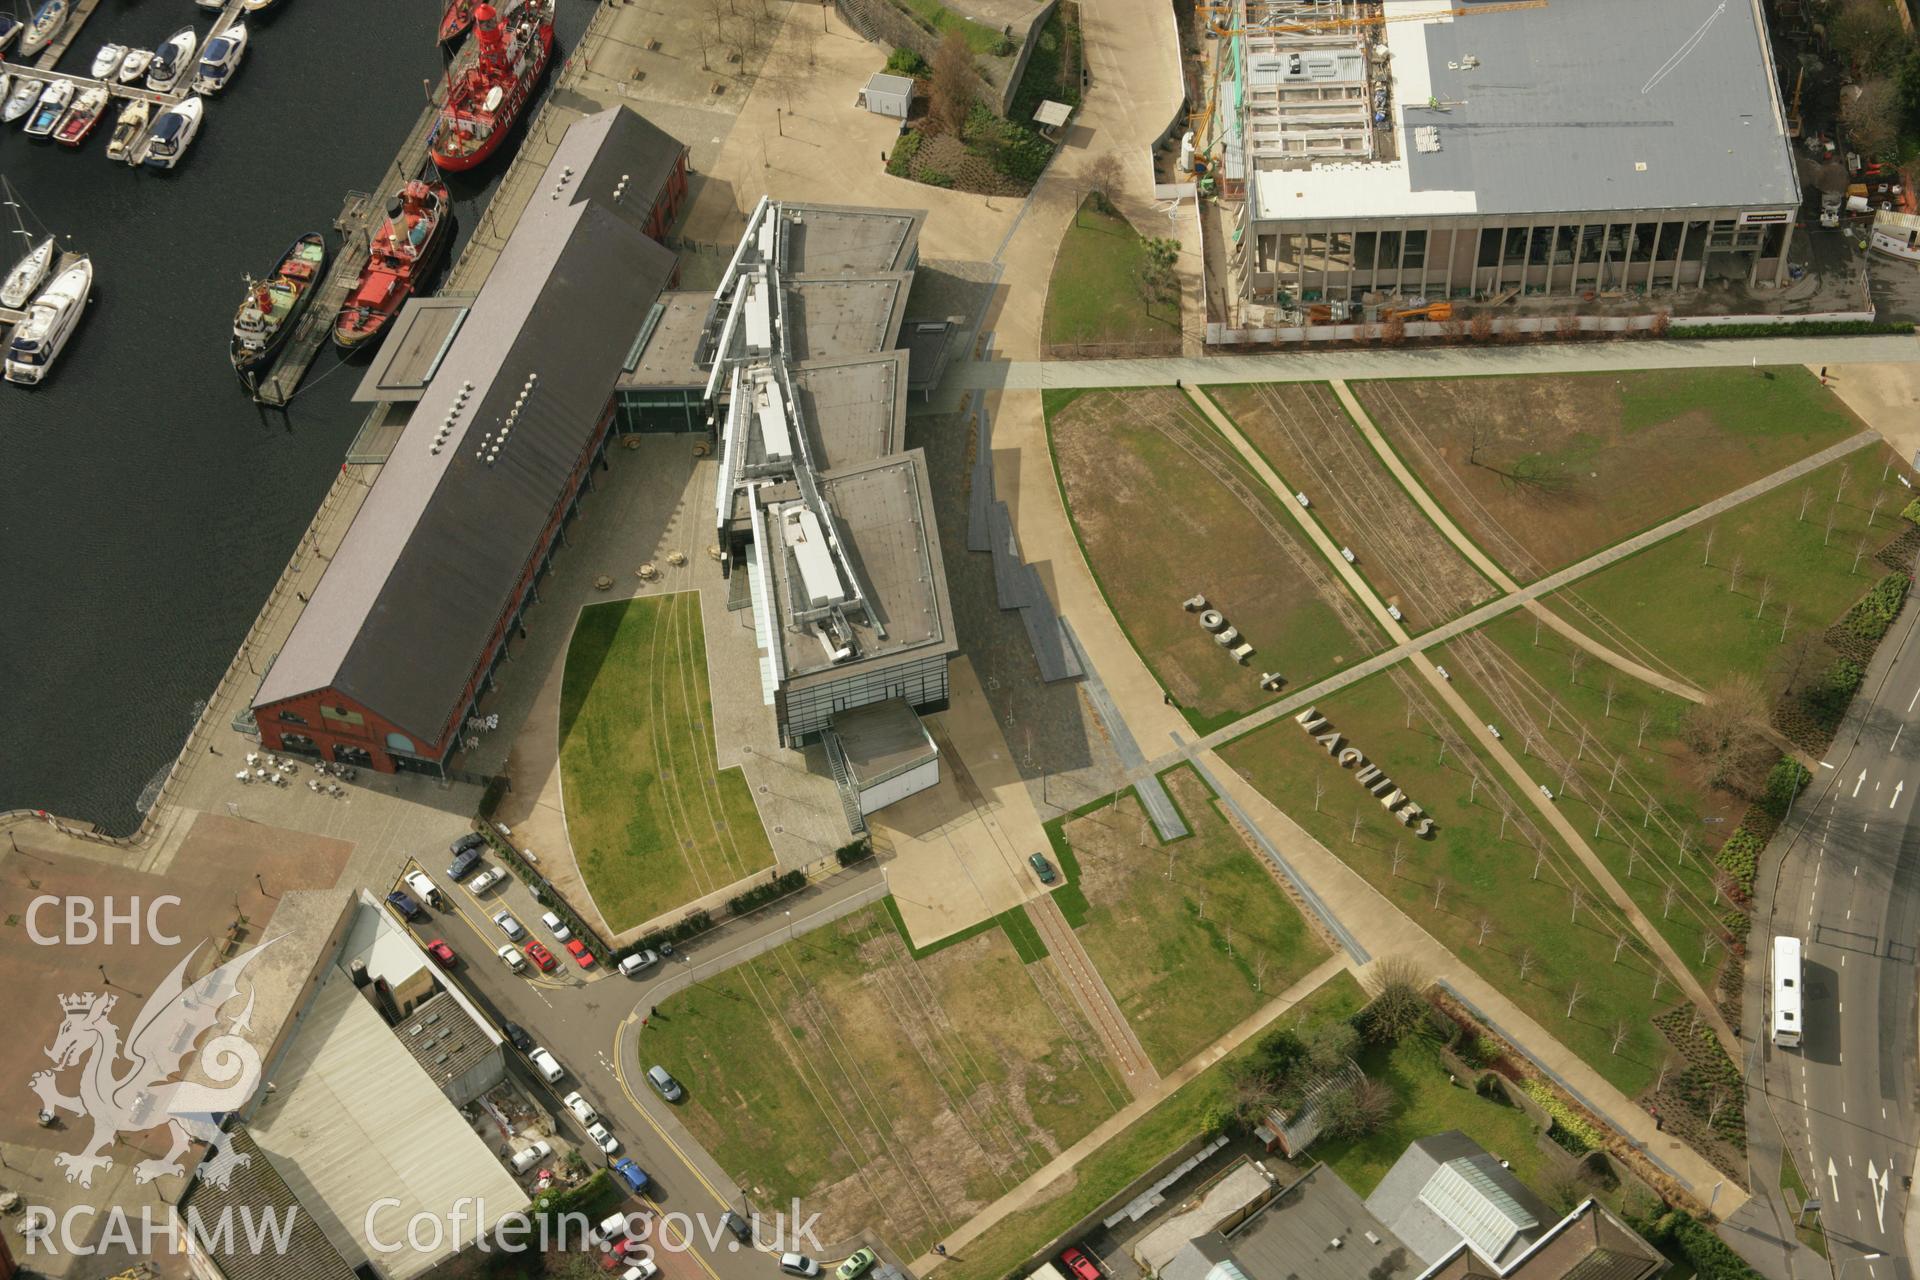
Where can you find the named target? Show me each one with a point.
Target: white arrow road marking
(1833, 1176)
(1879, 1186)
(1898, 787)
(1859, 782)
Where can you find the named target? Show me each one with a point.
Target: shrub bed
(1710, 1257)
(1571, 1129)
(761, 894)
(1704, 1101)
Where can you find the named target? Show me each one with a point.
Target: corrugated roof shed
(410, 600)
(257, 1193)
(1434, 1207)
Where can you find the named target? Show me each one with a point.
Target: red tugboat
(401, 254)
(458, 17)
(489, 89)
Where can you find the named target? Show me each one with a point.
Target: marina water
(146, 504)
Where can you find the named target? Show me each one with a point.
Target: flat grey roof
(885, 513)
(882, 739)
(406, 358)
(667, 359)
(1627, 105)
(881, 82)
(411, 598)
(844, 315)
(832, 239)
(855, 410)
(1294, 1234)
(443, 1040)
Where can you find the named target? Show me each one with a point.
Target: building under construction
(1451, 149)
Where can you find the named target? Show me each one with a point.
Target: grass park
(1222, 927)
(891, 1094)
(1612, 749)
(1189, 1110)
(1494, 887)
(1542, 471)
(1762, 582)
(1304, 433)
(653, 822)
(1094, 296)
(1164, 510)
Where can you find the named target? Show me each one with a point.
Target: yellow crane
(1201, 120)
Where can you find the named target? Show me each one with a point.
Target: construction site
(1362, 159)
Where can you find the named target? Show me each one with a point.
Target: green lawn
(1541, 471)
(1222, 926)
(1131, 1152)
(981, 38)
(885, 1092)
(1657, 796)
(1485, 874)
(1795, 563)
(652, 823)
(1428, 1104)
(1165, 510)
(1093, 295)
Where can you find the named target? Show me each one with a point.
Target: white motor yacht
(220, 59)
(108, 60)
(128, 128)
(51, 320)
(53, 104)
(135, 66)
(172, 132)
(172, 61)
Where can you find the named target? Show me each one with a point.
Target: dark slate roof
(255, 1190)
(410, 600)
(1568, 101)
(606, 147)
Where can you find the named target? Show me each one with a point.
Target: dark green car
(1043, 868)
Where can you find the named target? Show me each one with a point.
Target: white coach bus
(1786, 991)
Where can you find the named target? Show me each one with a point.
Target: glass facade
(805, 712)
(658, 411)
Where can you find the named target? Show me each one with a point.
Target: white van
(639, 960)
(548, 1066)
(613, 1227)
(527, 1157)
(423, 888)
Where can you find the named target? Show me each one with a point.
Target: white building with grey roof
(1455, 148)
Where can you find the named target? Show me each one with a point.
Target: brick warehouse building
(510, 412)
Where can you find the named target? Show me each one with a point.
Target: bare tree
(1633, 862)
(954, 83)
(1858, 551)
(1539, 860)
(1473, 786)
(1706, 557)
(1526, 961)
(1646, 719)
(1575, 996)
(1806, 496)
(1577, 659)
(1399, 857)
(1607, 714)
(1671, 896)
(1319, 789)
(1439, 888)
(1846, 474)
(1577, 897)
(1260, 960)
(1766, 589)
(1613, 774)
(1619, 945)
(1828, 536)
(1485, 927)
(1620, 1029)
(1659, 976)
(1786, 620)
(1506, 811)
(1707, 943)
(1409, 723)
(1716, 1103)
(1660, 1080)
(1536, 631)
(1727, 732)
(1600, 821)
(1878, 500)
(1733, 581)
(1353, 836)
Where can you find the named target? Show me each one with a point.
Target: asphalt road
(592, 1023)
(1849, 890)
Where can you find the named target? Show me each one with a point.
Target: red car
(578, 950)
(541, 957)
(442, 953)
(1080, 1265)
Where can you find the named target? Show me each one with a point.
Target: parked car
(527, 1157)
(548, 1066)
(464, 864)
(631, 1174)
(556, 926)
(639, 960)
(664, 1083)
(442, 953)
(423, 889)
(581, 956)
(471, 840)
(508, 925)
(1080, 1265)
(488, 878)
(603, 1137)
(511, 954)
(1043, 868)
(858, 1265)
(400, 901)
(742, 1230)
(645, 1269)
(799, 1264)
(614, 1226)
(517, 1036)
(540, 956)
(583, 1111)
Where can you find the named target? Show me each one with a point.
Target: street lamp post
(789, 926)
(1865, 1257)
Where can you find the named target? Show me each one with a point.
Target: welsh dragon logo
(148, 1092)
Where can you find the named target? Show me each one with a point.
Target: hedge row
(690, 927)
(1711, 1257)
(1739, 857)
(761, 894)
(1799, 329)
(1870, 618)
(1570, 1129)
